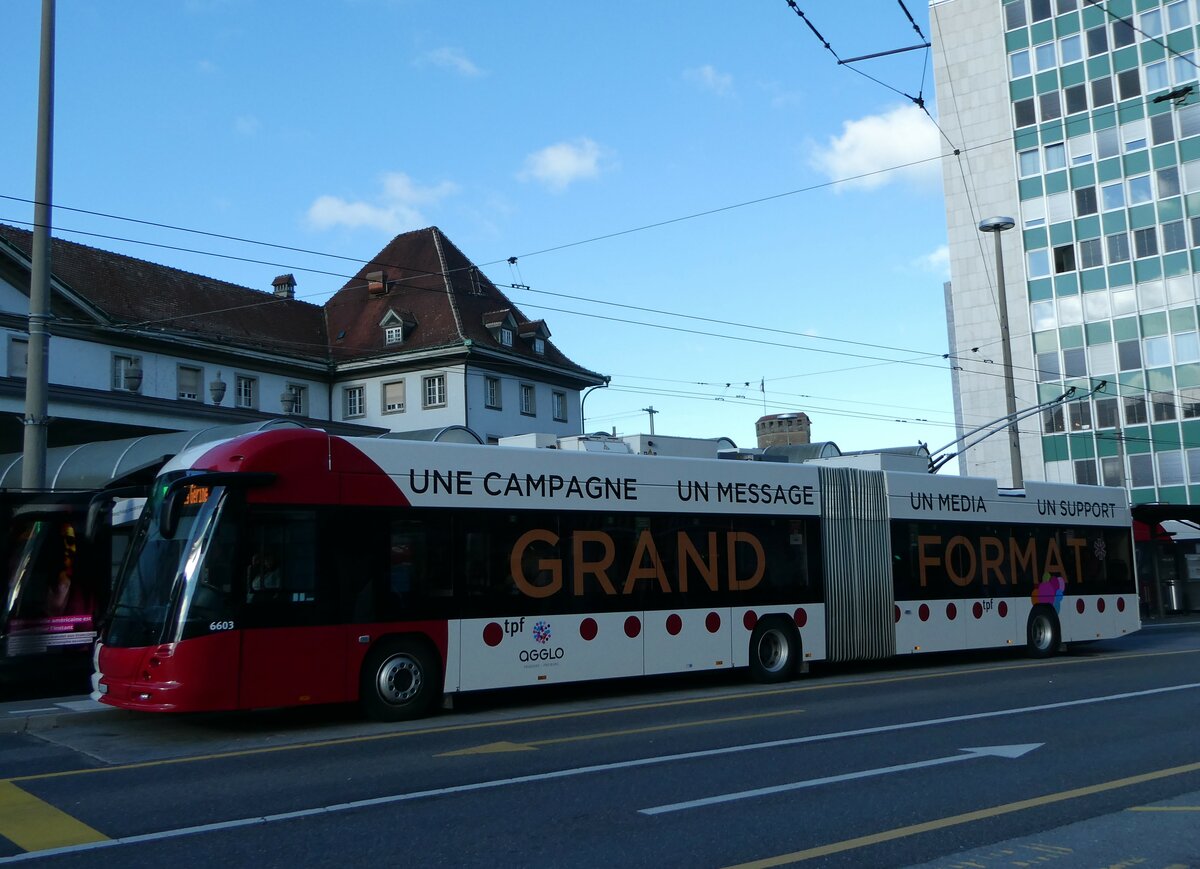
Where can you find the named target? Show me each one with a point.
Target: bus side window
(280, 563)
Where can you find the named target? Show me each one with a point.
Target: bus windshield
(151, 591)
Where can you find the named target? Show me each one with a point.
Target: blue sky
(583, 139)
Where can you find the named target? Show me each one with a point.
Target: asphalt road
(982, 760)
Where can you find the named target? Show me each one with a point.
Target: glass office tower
(1081, 121)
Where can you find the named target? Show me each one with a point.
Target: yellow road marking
(965, 818)
(498, 747)
(591, 713)
(35, 825)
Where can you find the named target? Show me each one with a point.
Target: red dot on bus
(923, 612)
(587, 629)
(749, 620)
(1120, 604)
(633, 627)
(674, 625)
(800, 617)
(493, 634)
(1080, 606)
(1003, 608)
(951, 611)
(1100, 605)
(713, 623)
(977, 610)
(897, 613)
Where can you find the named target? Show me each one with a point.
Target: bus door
(293, 651)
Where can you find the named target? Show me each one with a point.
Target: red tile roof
(428, 281)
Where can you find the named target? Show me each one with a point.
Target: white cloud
(396, 208)
(560, 165)
(451, 59)
(902, 136)
(936, 261)
(707, 77)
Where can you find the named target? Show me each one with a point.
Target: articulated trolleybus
(294, 567)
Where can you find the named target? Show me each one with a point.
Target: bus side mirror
(97, 518)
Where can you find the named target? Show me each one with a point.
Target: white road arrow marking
(1009, 751)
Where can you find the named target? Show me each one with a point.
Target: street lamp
(997, 225)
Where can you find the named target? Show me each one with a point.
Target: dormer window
(397, 326)
(506, 336)
(539, 346)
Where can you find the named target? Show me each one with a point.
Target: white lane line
(584, 770)
(1010, 751)
(28, 711)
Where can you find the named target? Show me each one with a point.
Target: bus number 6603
(220, 626)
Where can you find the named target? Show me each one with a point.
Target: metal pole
(997, 225)
(33, 465)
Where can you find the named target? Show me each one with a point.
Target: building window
(1051, 106)
(393, 335)
(1129, 84)
(126, 373)
(1075, 365)
(1081, 416)
(1014, 15)
(187, 380)
(1189, 120)
(1140, 190)
(1177, 15)
(1189, 403)
(1024, 113)
(1046, 56)
(1150, 23)
(528, 400)
(1135, 410)
(1038, 263)
(297, 396)
(1173, 236)
(1118, 247)
(1167, 182)
(1187, 348)
(1113, 196)
(1141, 471)
(1102, 92)
(354, 403)
(1164, 406)
(1091, 253)
(1162, 128)
(1056, 156)
(539, 346)
(559, 400)
(1157, 77)
(1097, 41)
(1145, 242)
(506, 337)
(1070, 49)
(18, 357)
(1123, 33)
(1064, 259)
(1170, 468)
(246, 391)
(1133, 135)
(1129, 354)
(1112, 472)
(1108, 143)
(1106, 413)
(1048, 368)
(393, 397)
(1085, 472)
(1052, 420)
(1076, 99)
(433, 389)
(1018, 64)
(491, 392)
(1040, 9)
(1156, 352)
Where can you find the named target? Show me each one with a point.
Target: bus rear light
(143, 697)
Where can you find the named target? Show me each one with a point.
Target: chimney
(285, 287)
(377, 283)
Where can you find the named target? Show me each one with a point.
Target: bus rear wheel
(774, 648)
(1042, 634)
(400, 681)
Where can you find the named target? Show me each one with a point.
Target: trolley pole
(33, 464)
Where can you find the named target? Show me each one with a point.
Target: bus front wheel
(400, 680)
(1043, 632)
(774, 648)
